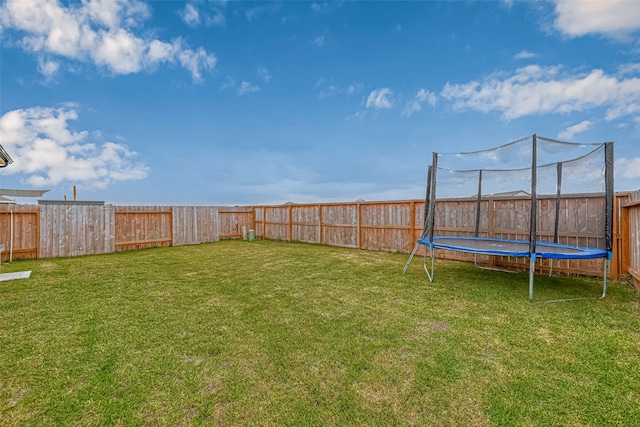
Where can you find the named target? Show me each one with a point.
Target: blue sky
(225, 103)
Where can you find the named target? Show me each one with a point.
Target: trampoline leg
(415, 249)
(604, 280)
(475, 261)
(429, 275)
(532, 267)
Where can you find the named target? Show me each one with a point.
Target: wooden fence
(630, 227)
(57, 229)
(395, 226)
(386, 226)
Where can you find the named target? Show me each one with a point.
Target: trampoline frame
(534, 249)
(576, 253)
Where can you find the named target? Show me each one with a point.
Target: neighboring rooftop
(5, 159)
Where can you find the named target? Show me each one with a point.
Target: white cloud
(247, 87)
(542, 90)
(196, 61)
(190, 15)
(319, 41)
(102, 32)
(160, 52)
(423, 96)
(211, 14)
(216, 18)
(264, 74)
(326, 6)
(569, 132)
(525, 54)
(47, 152)
(48, 68)
(629, 69)
(358, 115)
(615, 18)
(119, 50)
(630, 167)
(264, 9)
(380, 98)
(229, 83)
(354, 88)
(328, 88)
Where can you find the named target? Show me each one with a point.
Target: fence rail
(60, 229)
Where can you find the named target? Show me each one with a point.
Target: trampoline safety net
(521, 192)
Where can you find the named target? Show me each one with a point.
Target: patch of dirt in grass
(488, 356)
(16, 397)
(191, 359)
(213, 386)
(363, 259)
(439, 326)
(423, 329)
(47, 266)
(219, 416)
(544, 335)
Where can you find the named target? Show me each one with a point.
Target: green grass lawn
(265, 333)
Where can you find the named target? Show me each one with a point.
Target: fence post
(264, 221)
(290, 223)
(412, 228)
(320, 235)
(625, 241)
(491, 218)
(358, 229)
(253, 218)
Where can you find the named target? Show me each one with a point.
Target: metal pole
(604, 281)
(534, 200)
(11, 237)
(478, 203)
(532, 266)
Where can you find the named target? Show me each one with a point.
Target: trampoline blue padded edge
(517, 248)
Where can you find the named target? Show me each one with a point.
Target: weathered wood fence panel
(386, 226)
(141, 227)
(340, 225)
(258, 221)
(74, 229)
(306, 225)
(632, 215)
(195, 224)
(19, 231)
(277, 223)
(231, 221)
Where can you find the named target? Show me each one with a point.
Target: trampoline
(589, 173)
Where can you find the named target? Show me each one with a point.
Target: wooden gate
(19, 231)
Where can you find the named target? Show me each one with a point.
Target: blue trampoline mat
(517, 248)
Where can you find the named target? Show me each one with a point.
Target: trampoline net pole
(478, 202)
(432, 199)
(609, 193)
(428, 205)
(534, 199)
(558, 192)
(427, 202)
